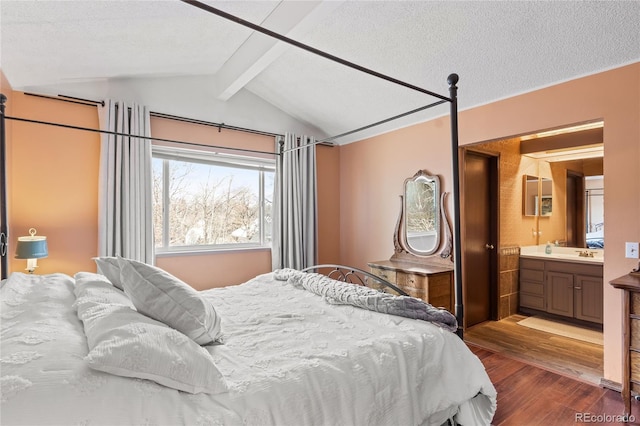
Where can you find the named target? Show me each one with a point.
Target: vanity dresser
(630, 284)
(421, 264)
(429, 282)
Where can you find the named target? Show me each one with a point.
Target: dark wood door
(479, 231)
(576, 227)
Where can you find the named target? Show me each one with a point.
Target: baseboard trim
(610, 384)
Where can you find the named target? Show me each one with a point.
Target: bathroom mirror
(537, 196)
(530, 195)
(546, 197)
(421, 213)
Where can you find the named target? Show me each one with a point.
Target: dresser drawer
(635, 303)
(385, 274)
(635, 334)
(635, 366)
(412, 280)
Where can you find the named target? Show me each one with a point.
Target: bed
(285, 348)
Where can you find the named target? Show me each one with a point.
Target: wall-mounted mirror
(421, 210)
(530, 195)
(546, 197)
(537, 196)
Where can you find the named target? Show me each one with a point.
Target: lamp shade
(32, 247)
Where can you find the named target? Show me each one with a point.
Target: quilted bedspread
(288, 358)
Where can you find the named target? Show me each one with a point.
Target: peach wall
(372, 170)
(52, 182)
(328, 171)
(372, 173)
(203, 271)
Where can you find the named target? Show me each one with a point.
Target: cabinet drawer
(533, 302)
(531, 264)
(574, 268)
(532, 275)
(385, 274)
(532, 288)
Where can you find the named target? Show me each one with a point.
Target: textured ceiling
(499, 49)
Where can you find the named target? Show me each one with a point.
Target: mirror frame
(422, 177)
(529, 199)
(444, 238)
(538, 202)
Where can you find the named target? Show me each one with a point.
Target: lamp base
(32, 264)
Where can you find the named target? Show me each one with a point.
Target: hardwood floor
(531, 396)
(565, 356)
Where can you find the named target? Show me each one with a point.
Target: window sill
(207, 252)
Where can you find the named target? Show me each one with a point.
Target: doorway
(480, 236)
(576, 200)
(546, 157)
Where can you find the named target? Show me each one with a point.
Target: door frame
(494, 225)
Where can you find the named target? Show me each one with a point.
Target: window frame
(219, 158)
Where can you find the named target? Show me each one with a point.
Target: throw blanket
(341, 293)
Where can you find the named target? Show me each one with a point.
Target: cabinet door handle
(488, 246)
(578, 288)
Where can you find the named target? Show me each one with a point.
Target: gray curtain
(125, 222)
(295, 226)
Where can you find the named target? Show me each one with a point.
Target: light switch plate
(631, 250)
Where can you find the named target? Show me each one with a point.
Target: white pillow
(126, 343)
(161, 296)
(110, 268)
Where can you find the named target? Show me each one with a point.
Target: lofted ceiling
(179, 59)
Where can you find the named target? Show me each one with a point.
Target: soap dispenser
(547, 249)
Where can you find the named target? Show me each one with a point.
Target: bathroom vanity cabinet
(568, 289)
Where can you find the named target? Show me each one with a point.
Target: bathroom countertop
(563, 254)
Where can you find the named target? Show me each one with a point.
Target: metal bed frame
(349, 274)
(452, 99)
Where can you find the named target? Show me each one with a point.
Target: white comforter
(289, 358)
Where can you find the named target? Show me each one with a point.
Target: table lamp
(31, 248)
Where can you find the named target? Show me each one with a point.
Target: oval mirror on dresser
(421, 264)
(421, 214)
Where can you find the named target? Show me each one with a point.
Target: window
(204, 200)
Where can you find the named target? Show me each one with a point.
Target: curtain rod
(308, 48)
(89, 102)
(87, 129)
(212, 124)
(69, 99)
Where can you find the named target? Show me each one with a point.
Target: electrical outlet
(631, 250)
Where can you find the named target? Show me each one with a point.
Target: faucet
(585, 253)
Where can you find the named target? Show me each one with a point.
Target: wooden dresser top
(627, 282)
(411, 267)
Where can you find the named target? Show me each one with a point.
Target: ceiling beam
(292, 19)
